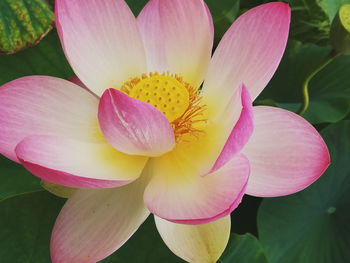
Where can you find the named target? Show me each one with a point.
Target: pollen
(179, 101)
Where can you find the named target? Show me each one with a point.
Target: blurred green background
(312, 226)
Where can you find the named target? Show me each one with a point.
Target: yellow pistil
(170, 94)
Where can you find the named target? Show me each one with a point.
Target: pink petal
(178, 37)
(101, 41)
(149, 24)
(249, 52)
(285, 152)
(240, 133)
(77, 81)
(95, 223)
(77, 163)
(199, 243)
(134, 127)
(178, 196)
(46, 106)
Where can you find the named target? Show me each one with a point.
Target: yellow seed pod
(165, 93)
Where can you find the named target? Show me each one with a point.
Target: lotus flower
(142, 137)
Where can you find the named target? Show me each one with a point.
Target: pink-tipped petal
(240, 133)
(77, 163)
(178, 37)
(95, 223)
(249, 52)
(286, 153)
(178, 196)
(101, 41)
(133, 126)
(44, 106)
(198, 244)
(153, 37)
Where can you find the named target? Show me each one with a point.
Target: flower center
(165, 93)
(175, 98)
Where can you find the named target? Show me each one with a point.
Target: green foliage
(244, 249)
(46, 58)
(313, 226)
(136, 5)
(331, 7)
(329, 89)
(223, 20)
(221, 9)
(310, 22)
(26, 223)
(311, 19)
(144, 246)
(23, 23)
(15, 180)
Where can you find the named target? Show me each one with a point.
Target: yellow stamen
(175, 98)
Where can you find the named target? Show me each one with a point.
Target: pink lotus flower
(146, 137)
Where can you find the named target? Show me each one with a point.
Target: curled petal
(240, 134)
(134, 127)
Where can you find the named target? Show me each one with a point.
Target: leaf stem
(305, 87)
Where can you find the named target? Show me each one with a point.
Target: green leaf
(244, 249)
(329, 89)
(221, 9)
(144, 246)
(312, 226)
(224, 19)
(15, 179)
(46, 58)
(26, 223)
(310, 23)
(136, 5)
(23, 23)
